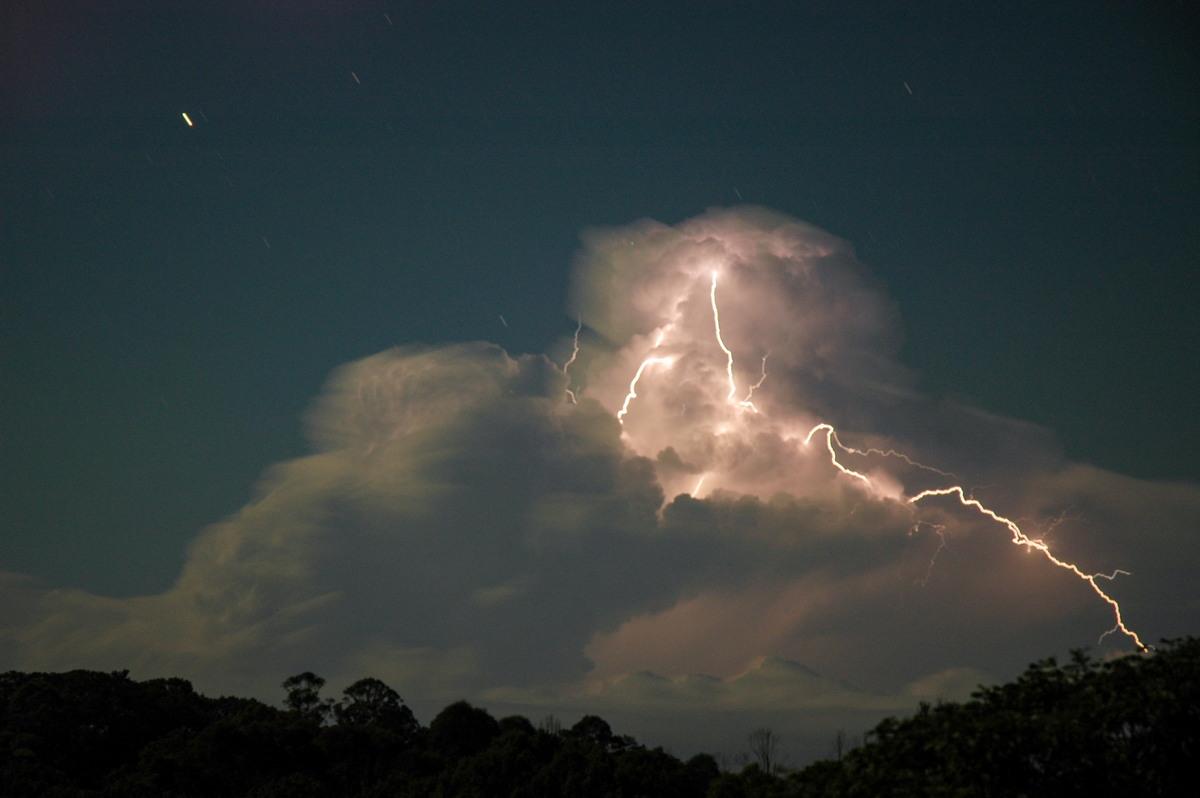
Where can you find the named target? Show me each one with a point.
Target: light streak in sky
(757, 385)
(830, 437)
(940, 531)
(1021, 539)
(890, 453)
(187, 119)
(712, 294)
(629, 397)
(1018, 536)
(745, 403)
(566, 369)
(882, 488)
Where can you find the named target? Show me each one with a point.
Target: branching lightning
(882, 489)
(1018, 536)
(830, 437)
(891, 453)
(1021, 539)
(762, 378)
(940, 531)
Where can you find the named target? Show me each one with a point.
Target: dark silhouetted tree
(550, 725)
(518, 723)
(1126, 726)
(461, 730)
(304, 696)
(595, 729)
(370, 702)
(764, 748)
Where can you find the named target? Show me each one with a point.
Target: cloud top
(467, 526)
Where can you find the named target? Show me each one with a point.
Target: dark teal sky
(1022, 178)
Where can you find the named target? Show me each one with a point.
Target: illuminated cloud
(795, 305)
(464, 527)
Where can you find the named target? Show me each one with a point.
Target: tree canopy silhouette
(1130, 725)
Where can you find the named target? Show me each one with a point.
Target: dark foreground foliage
(1129, 727)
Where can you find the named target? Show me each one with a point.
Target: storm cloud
(470, 523)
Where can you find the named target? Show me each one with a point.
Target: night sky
(179, 303)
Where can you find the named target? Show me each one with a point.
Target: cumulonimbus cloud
(471, 523)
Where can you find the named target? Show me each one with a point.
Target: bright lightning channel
(1021, 539)
(763, 378)
(712, 295)
(745, 403)
(629, 397)
(830, 437)
(833, 444)
(566, 369)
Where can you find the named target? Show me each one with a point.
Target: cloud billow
(471, 523)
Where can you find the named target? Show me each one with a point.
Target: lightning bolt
(892, 453)
(712, 295)
(763, 378)
(566, 369)
(1021, 539)
(830, 437)
(745, 403)
(629, 397)
(833, 444)
(938, 530)
(1018, 535)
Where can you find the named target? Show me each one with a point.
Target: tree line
(1127, 726)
